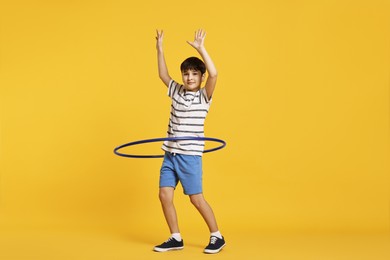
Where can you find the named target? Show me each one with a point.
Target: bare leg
(166, 199)
(205, 210)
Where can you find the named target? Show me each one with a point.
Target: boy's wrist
(201, 49)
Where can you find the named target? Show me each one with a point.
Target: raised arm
(198, 44)
(162, 66)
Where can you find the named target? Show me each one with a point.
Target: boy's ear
(203, 77)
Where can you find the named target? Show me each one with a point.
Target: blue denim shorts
(184, 168)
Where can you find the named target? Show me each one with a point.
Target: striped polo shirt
(188, 113)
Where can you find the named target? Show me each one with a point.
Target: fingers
(200, 34)
(159, 39)
(160, 34)
(198, 42)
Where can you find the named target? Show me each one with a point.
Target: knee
(197, 200)
(165, 197)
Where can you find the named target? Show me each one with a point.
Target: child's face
(192, 79)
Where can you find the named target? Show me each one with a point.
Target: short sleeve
(204, 95)
(172, 88)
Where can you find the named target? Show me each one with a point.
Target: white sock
(176, 236)
(216, 234)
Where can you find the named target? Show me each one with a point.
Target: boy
(183, 160)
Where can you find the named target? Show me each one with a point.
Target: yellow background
(302, 100)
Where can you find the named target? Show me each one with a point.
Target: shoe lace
(169, 239)
(213, 240)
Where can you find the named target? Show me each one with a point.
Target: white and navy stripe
(187, 116)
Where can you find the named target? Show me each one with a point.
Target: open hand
(198, 42)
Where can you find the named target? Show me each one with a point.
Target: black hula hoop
(182, 138)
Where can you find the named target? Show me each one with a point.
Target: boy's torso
(187, 117)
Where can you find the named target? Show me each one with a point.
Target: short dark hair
(193, 63)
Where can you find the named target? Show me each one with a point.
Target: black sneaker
(170, 244)
(216, 244)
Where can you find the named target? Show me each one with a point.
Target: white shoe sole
(210, 251)
(157, 249)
